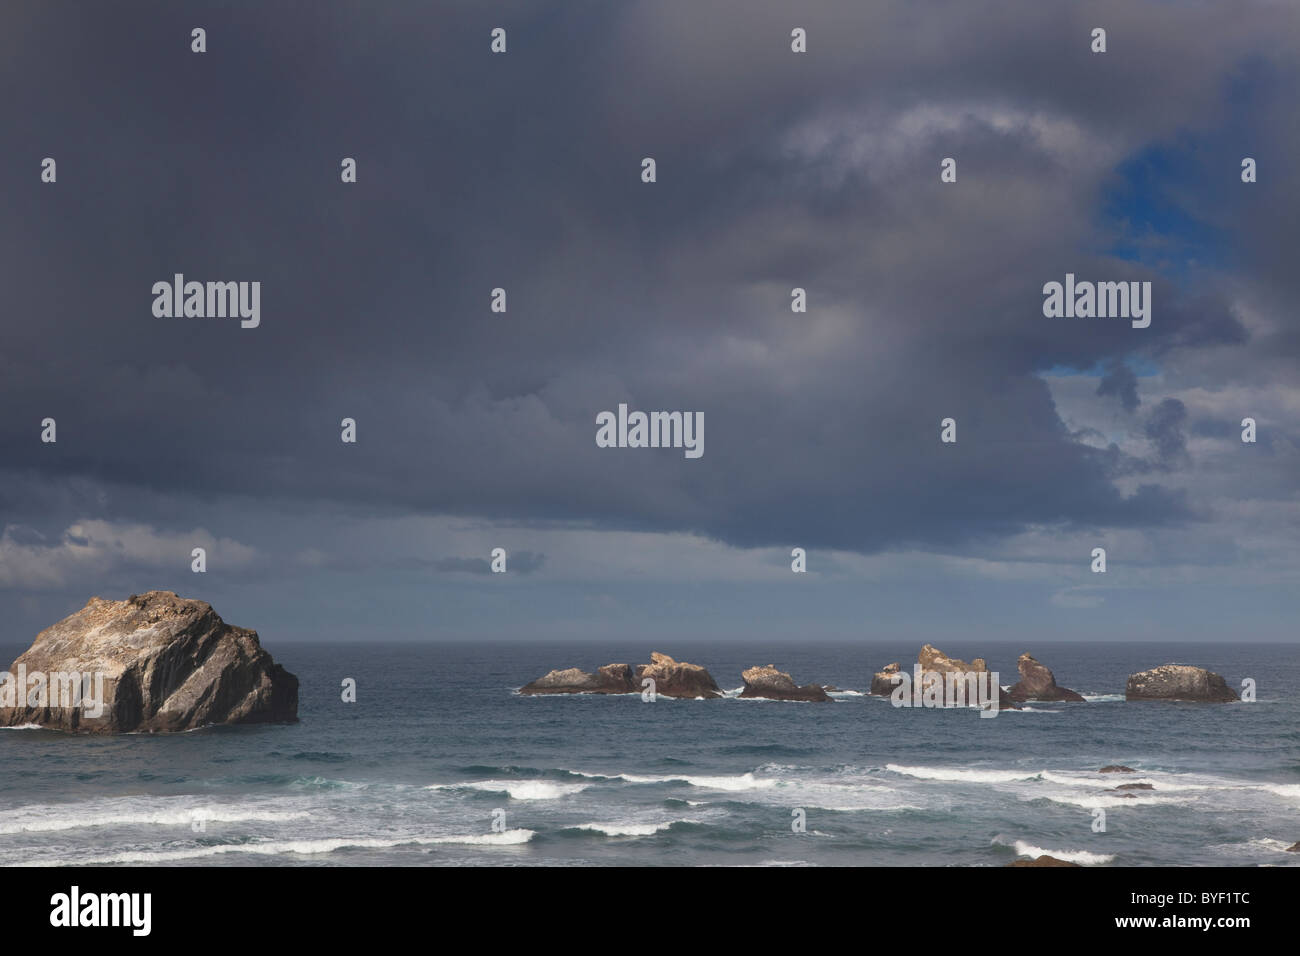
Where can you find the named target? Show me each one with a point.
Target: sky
(522, 170)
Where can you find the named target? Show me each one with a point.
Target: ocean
(440, 762)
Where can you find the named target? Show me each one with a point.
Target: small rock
(1043, 860)
(883, 683)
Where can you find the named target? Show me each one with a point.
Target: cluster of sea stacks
(165, 663)
(1037, 683)
(671, 679)
(159, 663)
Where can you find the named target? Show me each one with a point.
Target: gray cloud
(522, 171)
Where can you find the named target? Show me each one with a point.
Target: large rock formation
(1038, 683)
(933, 659)
(1179, 682)
(154, 662)
(671, 679)
(777, 685)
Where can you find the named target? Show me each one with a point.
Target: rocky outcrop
(1116, 768)
(933, 659)
(1043, 860)
(154, 662)
(1134, 786)
(773, 684)
(1038, 683)
(884, 681)
(1293, 848)
(610, 679)
(1179, 682)
(677, 678)
(671, 679)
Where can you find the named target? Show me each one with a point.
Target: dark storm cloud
(1164, 427)
(1120, 381)
(522, 171)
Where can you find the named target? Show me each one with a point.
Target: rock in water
(677, 678)
(778, 685)
(610, 679)
(166, 663)
(884, 681)
(1038, 683)
(1179, 682)
(1043, 860)
(672, 679)
(1116, 768)
(933, 659)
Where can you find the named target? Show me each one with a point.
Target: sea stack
(610, 679)
(933, 659)
(1179, 682)
(671, 679)
(154, 662)
(885, 680)
(1038, 683)
(772, 684)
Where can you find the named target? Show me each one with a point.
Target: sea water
(439, 761)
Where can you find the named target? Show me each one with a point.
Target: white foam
(745, 781)
(1105, 800)
(507, 838)
(627, 829)
(1084, 857)
(295, 847)
(1289, 790)
(24, 727)
(176, 818)
(1267, 843)
(518, 789)
(136, 811)
(1089, 780)
(961, 775)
